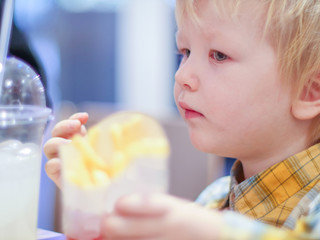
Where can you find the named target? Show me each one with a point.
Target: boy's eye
(183, 54)
(187, 52)
(218, 56)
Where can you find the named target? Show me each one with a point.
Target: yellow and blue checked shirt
(282, 202)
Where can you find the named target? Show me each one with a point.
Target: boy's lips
(188, 111)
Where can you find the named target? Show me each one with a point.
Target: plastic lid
(21, 85)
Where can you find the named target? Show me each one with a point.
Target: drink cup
(21, 131)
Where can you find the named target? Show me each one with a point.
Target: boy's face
(228, 88)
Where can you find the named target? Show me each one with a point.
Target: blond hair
(293, 28)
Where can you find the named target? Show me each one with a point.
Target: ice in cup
(126, 152)
(21, 131)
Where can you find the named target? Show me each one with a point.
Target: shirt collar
(262, 193)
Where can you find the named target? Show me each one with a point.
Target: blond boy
(248, 87)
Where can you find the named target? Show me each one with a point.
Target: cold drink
(21, 131)
(19, 187)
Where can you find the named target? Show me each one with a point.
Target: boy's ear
(307, 106)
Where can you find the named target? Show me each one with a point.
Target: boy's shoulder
(307, 210)
(215, 193)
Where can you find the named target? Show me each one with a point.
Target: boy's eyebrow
(177, 36)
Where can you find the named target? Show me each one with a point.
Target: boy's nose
(187, 78)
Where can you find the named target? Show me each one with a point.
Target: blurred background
(102, 56)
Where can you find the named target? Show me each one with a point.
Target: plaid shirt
(284, 200)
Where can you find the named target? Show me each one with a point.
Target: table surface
(49, 235)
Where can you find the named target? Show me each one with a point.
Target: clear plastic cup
(21, 131)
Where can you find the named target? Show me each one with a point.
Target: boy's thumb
(145, 204)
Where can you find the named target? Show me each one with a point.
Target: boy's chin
(205, 147)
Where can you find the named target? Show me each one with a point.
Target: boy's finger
(119, 227)
(83, 130)
(81, 116)
(53, 170)
(51, 147)
(145, 205)
(66, 128)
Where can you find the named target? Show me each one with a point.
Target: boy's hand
(61, 134)
(160, 217)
